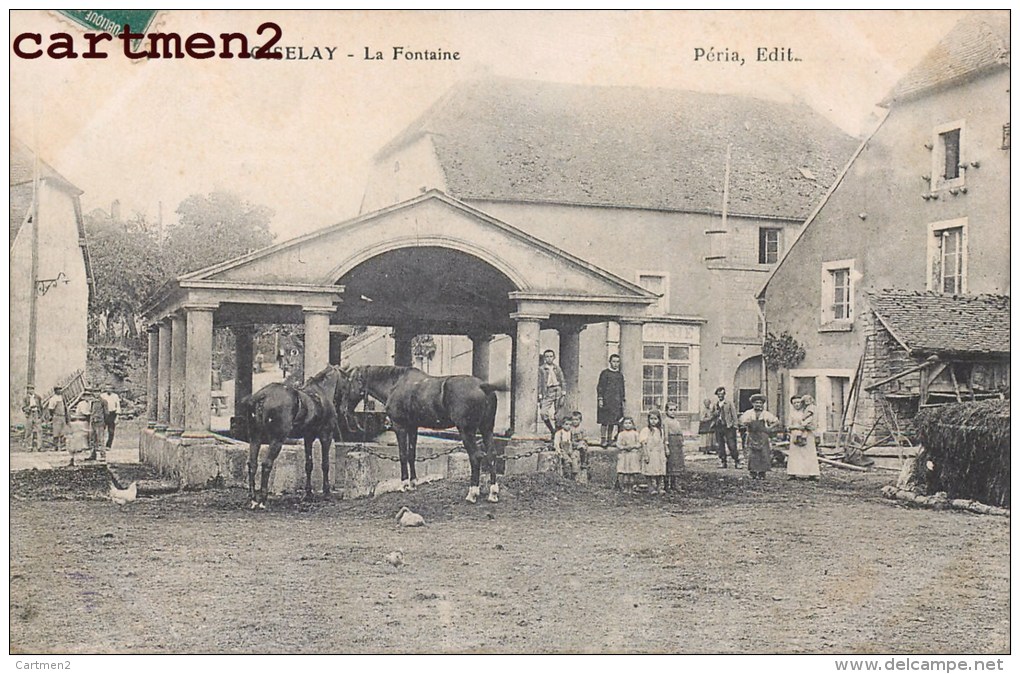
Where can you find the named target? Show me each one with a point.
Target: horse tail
(491, 402)
(255, 411)
(492, 387)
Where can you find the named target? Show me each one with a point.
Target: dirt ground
(729, 566)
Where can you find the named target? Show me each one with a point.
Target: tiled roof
(21, 176)
(927, 323)
(978, 42)
(517, 140)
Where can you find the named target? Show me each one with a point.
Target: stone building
(923, 206)
(518, 216)
(50, 278)
(692, 196)
(926, 348)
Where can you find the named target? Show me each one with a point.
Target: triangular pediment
(432, 220)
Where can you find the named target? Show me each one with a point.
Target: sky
(299, 135)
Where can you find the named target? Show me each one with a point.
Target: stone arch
(363, 255)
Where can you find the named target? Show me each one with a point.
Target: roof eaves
(634, 207)
(821, 204)
(893, 98)
(899, 340)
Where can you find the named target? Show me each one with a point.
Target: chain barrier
(379, 455)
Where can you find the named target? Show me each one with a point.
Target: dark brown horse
(280, 411)
(416, 400)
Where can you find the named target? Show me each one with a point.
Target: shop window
(666, 371)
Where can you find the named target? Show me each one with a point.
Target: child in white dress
(653, 452)
(628, 457)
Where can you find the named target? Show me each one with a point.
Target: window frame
(763, 233)
(828, 320)
(661, 307)
(665, 363)
(935, 231)
(938, 163)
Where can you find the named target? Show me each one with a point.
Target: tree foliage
(127, 266)
(131, 259)
(781, 352)
(216, 227)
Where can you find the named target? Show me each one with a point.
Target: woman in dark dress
(610, 400)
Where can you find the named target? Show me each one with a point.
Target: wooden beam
(930, 361)
(840, 464)
(956, 386)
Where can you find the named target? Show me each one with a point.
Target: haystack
(968, 447)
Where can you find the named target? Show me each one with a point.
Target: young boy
(563, 444)
(580, 441)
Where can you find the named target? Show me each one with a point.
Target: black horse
(416, 400)
(280, 411)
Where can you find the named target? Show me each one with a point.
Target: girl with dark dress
(610, 400)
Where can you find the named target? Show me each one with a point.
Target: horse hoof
(471, 498)
(262, 506)
(253, 505)
(493, 498)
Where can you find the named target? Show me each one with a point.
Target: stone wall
(200, 462)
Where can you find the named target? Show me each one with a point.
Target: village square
(588, 367)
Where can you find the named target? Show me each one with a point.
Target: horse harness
(307, 406)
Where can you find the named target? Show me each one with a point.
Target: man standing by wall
(57, 411)
(551, 391)
(97, 426)
(32, 407)
(112, 401)
(726, 428)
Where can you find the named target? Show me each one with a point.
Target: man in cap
(32, 407)
(726, 428)
(56, 410)
(97, 425)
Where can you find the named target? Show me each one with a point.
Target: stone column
(178, 372)
(402, 346)
(513, 360)
(631, 342)
(244, 356)
(525, 379)
(570, 363)
(480, 356)
(336, 349)
(163, 374)
(316, 339)
(152, 380)
(199, 369)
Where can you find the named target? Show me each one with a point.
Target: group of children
(571, 446)
(655, 456)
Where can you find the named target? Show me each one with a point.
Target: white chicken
(407, 518)
(119, 494)
(123, 496)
